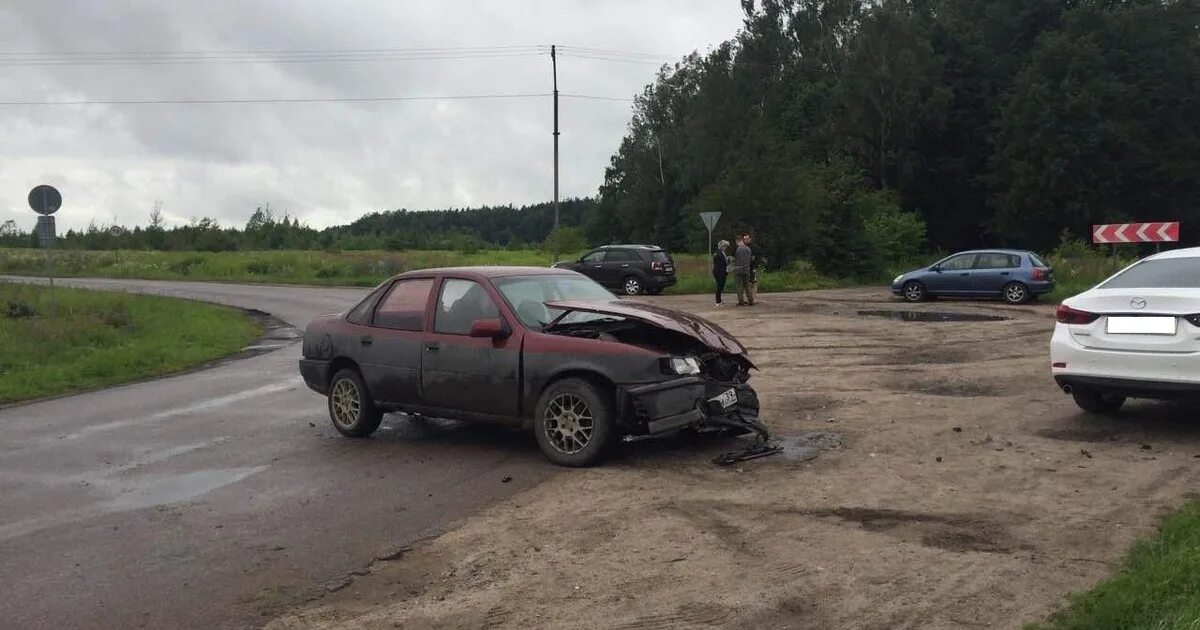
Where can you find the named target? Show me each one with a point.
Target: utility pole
(554, 69)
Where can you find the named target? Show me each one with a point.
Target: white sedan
(1135, 335)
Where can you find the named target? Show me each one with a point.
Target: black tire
(1015, 293)
(1097, 402)
(562, 418)
(631, 285)
(914, 291)
(350, 407)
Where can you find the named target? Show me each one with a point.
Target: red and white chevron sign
(1136, 233)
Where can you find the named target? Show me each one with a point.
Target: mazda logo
(1138, 303)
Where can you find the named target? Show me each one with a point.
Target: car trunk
(1125, 313)
(661, 263)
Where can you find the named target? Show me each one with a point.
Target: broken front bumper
(691, 402)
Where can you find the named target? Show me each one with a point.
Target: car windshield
(1169, 273)
(527, 296)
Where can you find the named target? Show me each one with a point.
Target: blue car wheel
(914, 291)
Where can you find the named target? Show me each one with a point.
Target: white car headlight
(683, 365)
(897, 278)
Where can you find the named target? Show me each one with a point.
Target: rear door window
(959, 263)
(1169, 273)
(404, 306)
(997, 261)
(620, 256)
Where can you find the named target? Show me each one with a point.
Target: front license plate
(1141, 325)
(726, 399)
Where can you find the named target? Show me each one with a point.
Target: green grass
(1077, 267)
(63, 340)
(1157, 588)
(343, 268)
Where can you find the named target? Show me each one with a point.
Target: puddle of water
(807, 445)
(932, 316)
(176, 488)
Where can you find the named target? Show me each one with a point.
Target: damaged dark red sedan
(545, 349)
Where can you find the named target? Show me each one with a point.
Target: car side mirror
(489, 329)
(936, 269)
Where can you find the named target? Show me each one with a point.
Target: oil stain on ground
(944, 531)
(932, 316)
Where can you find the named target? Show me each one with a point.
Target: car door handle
(432, 347)
(1004, 273)
(366, 340)
(965, 274)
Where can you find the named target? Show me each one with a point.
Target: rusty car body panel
(625, 349)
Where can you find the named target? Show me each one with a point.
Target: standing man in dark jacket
(720, 268)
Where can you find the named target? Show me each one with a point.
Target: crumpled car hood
(700, 329)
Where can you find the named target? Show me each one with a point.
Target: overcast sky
(325, 163)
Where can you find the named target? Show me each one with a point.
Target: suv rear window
(659, 255)
(1169, 273)
(620, 255)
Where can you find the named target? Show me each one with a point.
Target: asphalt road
(219, 497)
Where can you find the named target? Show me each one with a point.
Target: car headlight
(898, 278)
(681, 365)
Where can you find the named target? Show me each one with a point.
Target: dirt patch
(950, 532)
(927, 355)
(936, 386)
(922, 511)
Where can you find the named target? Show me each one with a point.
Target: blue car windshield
(527, 296)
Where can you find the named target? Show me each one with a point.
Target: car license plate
(727, 399)
(1141, 325)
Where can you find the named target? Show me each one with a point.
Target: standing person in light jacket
(720, 269)
(742, 259)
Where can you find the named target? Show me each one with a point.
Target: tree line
(466, 229)
(853, 132)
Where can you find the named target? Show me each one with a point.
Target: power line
(608, 51)
(594, 97)
(331, 99)
(311, 51)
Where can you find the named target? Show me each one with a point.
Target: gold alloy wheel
(568, 423)
(345, 403)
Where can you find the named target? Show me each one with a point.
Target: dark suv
(631, 269)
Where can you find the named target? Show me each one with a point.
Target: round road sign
(45, 199)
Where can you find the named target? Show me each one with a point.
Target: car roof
(1187, 252)
(485, 272)
(998, 250)
(648, 247)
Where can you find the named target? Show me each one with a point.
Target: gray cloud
(323, 162)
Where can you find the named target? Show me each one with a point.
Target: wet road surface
(220, 497)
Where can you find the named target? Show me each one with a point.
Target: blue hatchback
(1015, 275)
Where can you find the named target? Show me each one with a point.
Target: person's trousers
(720, 280)
(741, 284)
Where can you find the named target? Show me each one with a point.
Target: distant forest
(855, 133)
(467, 229)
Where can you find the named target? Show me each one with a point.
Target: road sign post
(46, 200)
(710, 221)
